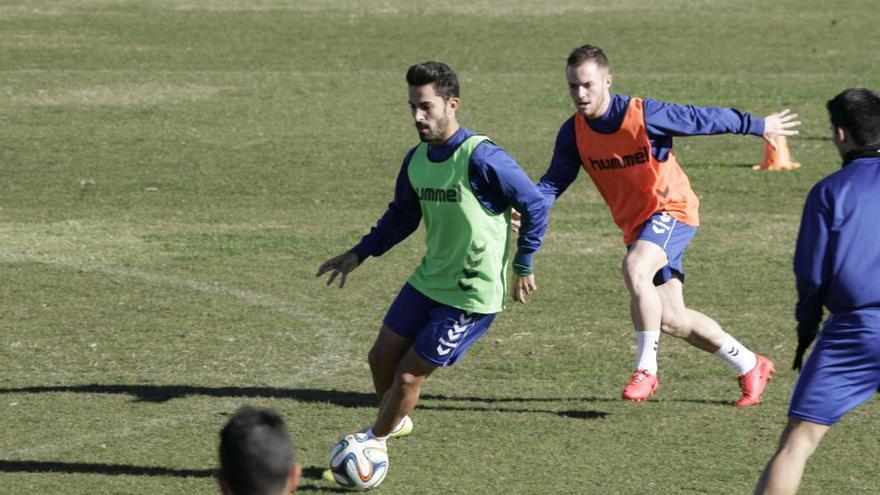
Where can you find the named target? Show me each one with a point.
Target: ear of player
(778, 158)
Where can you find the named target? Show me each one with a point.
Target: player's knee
(637, 275)
(408, 380)
(801, 444)
(800, 449)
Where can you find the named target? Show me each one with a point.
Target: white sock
(374, 437)
(648, 341)
(736, 355)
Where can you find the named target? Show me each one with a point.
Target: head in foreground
(256, 455)
(855, 119)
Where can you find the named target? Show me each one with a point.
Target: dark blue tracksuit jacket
(837, 258)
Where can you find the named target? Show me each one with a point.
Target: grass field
(173, 173)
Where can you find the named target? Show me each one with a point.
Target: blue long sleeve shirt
(837, 256)
(497, 181)
(663, 121)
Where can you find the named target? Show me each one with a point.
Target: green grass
(174, 172)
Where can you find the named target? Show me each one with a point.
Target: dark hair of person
(587, 53)
(256, 452)
(858, 111)
(442, 76)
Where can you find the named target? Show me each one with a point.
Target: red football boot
(641, 386)
(755, 381)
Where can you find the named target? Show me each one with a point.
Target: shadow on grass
(164, 393)
(7, 466)
(107, 469)
(313, 474)
(342, 398)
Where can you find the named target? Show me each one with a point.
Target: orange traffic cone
(777, 159)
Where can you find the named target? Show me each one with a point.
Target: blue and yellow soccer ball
(359, 462)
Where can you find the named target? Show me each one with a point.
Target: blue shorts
(842, 372)
(441, 334)
(673, 237)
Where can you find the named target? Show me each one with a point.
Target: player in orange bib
(625, 145)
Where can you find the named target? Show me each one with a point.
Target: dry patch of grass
(70, 240)
(502, 8)
(120, 95)
(34, 40)
(54, 7)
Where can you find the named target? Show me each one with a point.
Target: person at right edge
(836, 265)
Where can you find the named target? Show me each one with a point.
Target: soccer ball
(359, 462)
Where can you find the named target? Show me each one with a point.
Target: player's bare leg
(642, 261)
(403, 395)
(783, 473)
(384, 358)
(640, 264)
(692, 326)
(701, 331)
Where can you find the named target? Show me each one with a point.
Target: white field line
(329, 347)
(322, 360)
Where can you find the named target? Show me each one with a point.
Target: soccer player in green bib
(464, 187)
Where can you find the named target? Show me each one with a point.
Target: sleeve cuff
(757, 126)
(361, 251)
(522, 264)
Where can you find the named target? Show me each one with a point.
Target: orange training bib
(633, 183)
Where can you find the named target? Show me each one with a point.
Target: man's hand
(515, 220)
(343, 264)
(804, 341)
(780, 124)
(522, 286)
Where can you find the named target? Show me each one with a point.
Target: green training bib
(465, 265)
